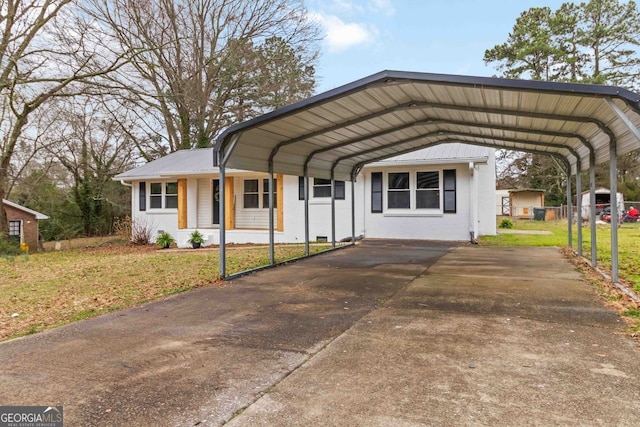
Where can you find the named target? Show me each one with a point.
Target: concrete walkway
(372, 335)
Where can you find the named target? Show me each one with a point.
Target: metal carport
(334, 134)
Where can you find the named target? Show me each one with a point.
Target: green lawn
(628, 243)
(57, 287)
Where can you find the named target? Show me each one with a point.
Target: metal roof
(394, 112)
(36, 214)
(183, 162)
(445, 153)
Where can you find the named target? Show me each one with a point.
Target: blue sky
(363, 37)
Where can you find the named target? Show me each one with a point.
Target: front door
(216, 202)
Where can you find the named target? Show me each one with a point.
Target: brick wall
(29, 226)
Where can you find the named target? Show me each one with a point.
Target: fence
(557, 213)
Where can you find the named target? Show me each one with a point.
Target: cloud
(341, 35)
(384, 7)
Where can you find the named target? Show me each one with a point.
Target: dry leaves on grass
(611, 294)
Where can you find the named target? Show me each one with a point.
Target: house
(23, 224)
(445, 192)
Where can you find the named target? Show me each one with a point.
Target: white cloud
(384, 7)
(341, 36)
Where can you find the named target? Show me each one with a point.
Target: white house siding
(251, 218)
(414, 224)
(159, 220)
(205, 203)
(486, 203)
(319, 213)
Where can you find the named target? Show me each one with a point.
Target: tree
(593, 42)
(92, 146)
(529, 50)
(201, 62)
(48, 49)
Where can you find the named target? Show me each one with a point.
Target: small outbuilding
(520, 203)
(23, 224)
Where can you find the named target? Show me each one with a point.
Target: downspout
(473, 193)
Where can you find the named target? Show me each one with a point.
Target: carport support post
(306, 211)
(592, 208)
(222, 198)
(579, 205)
(333, 211)
(569, 209)
(613, 180)
(272, 258)
(353, 212)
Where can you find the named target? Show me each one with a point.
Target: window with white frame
(419, 191)
(398, 190)
(15, 229)
(256, 196)
(322, 189)
(427, 190)
(163, 195)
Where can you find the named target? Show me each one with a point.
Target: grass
(58, 287)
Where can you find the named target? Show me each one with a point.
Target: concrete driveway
(401, 333)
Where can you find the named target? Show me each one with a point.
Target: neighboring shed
(523, 201)
(23, 224)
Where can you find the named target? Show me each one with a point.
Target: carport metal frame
(531, 117)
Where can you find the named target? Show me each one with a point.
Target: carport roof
(393, 112)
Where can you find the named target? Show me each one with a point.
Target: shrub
(122, 227)
(506, 223)
(8, 246)
(141, 232)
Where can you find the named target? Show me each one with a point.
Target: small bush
(8, 246)
(122, 227)
(506, 223)
(141, 232)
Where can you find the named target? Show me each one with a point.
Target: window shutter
(142, 199)
(301, 188)
(376, 192)
(339, 190)
(449, 187)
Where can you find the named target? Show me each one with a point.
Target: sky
(363, 37)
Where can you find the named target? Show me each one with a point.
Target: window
(419, 191)
(251, 194)
(163, 196)
(265, 193)
(254, 193)
(376, 192)
(171, 195)
(322, 188)
(14, 230)
(398, 194)
(427, 190)
(155, 197)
